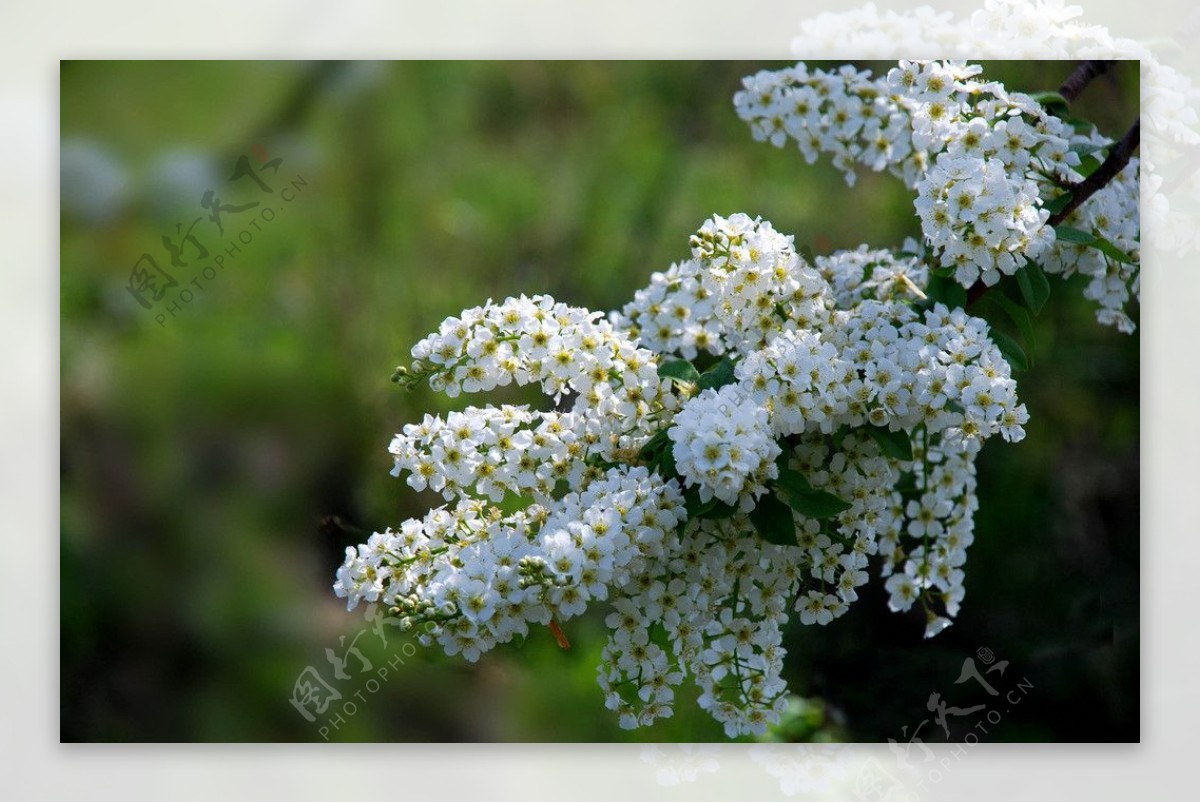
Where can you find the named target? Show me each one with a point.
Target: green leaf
(815, 504)
(705, 360)
(719, 510)
(1073, 235)
(1052, 102)
(947, 291)
(1112, 252)
(907, 483)
(1011, 350)
(1087, 165)
(795, 489)
(599, 462)
(666, 463)
(681, 370)
(1035, 287)
(1084, 148)
(793, 481)
(785, 454)
(693, 505)
(895, 445)
(718, 376)
(941, 270)
(774, 521)
(1081, 125)
(1070, 235)
(839, 437)
(1019, 316)
(1047, 96)
(1056, 205)
(1024, 324)
(653, 446)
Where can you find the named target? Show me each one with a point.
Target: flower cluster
(985, 164)
(838, 419)
(724, 446)
(925, 538)
(493, 452)
(979, 220)
(474, 577)
(883, 365)
(566, 350)
(845, 114)
(880, 274)
(729, 294)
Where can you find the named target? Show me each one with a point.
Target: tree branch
(1118, 157)
(1081, 76)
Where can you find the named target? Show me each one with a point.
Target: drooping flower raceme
(837, 419)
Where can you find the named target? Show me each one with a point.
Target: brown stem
(559, 635)
(1081, 76)
(1117, 159)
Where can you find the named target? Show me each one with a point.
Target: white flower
(904, 591)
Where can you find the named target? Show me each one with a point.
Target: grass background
(215, 466)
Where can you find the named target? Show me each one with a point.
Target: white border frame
(34, 765)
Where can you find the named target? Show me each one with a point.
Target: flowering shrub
(753, 433)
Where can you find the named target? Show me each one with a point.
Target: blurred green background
(216, 461)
